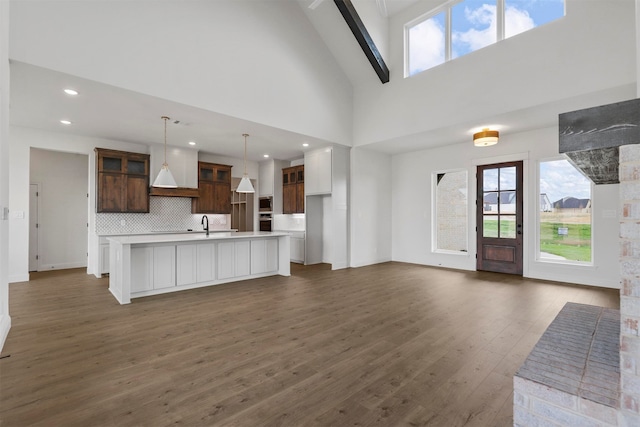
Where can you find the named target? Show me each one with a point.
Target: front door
(499, 218)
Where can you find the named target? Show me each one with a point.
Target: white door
(34, 190)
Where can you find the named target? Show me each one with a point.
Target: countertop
(191, 237)
(147, 233)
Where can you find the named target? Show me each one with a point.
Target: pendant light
(245, 184)
(165, 179)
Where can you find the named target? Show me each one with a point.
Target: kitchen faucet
(206, 226)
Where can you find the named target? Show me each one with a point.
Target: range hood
(590, 138)
(183, 164)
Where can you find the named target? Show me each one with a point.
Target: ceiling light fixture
(245, 183)
(165, 179)
(306, 144)
(266, 156)
(71, 92)
(485, 138)
(192, 143)
(65, 122)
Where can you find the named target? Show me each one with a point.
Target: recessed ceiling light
(192, 143)
(306, 144)
(65, 122)
(71, 92)
(265, 156)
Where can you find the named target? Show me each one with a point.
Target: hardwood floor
(386, 345)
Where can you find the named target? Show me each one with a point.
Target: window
(450, 219)
(465, 26)
(499, 203)
(564, 213)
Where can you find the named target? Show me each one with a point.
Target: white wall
(256, 60)
(560, 60)
(377, 25)
(370, 207)
(5, 319)
(411, 229)
(62, 208)
(21, 141)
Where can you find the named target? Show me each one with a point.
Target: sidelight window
(451, 211)
(564, 213)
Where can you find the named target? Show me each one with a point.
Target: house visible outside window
(458, 28)
(451, 212)
(564, 213)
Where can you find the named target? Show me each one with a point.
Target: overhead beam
(365, 41)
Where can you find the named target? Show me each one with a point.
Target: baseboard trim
(19, 278)
(48, 267)
(5, 326)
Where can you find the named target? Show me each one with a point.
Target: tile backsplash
(165, 214)
(294, 222)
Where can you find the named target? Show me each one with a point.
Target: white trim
(49, 267)
(5, 326)
(16, 278)
(515, 157)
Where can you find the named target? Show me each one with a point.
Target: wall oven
(265, 222)
(265, 204)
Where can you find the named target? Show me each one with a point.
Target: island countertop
(143, 265)
(135, 239)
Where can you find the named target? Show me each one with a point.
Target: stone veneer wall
(630, 289)
(165, 214)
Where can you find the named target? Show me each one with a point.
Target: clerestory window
(461, 27)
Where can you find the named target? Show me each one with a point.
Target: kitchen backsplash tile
(294, 222)
(165, 214)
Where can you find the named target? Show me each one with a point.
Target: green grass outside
(575, 246)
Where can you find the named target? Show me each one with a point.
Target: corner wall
(370, 203)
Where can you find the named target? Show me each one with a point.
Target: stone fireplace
(585, 370)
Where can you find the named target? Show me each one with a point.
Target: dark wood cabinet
(214, 188)
(293, 190)
(122, 181)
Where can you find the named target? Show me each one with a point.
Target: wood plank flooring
(385, 345)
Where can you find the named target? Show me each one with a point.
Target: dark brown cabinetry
(122, 181)
(214, 188)
(293, 190)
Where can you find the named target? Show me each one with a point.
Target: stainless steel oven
(265, 204)
(265, 221)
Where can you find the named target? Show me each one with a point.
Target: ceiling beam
(365, 41)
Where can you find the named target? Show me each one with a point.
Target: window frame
(446, 8)
(434, 213)
(540, 259)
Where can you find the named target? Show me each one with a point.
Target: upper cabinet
(270, 182)
(214, 188)
(122, 181)
(318, 171)
(293, 189)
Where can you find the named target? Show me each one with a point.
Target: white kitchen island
(143, 265)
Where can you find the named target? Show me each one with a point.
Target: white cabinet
(153, 268)
(297, 249)
(104, 257)
(164, 267)
(264, 256)
(186, 264)
(141, 269)
(205, 262)
(265, 178)
(233, 259)
(317, 172)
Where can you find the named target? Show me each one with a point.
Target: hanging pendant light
(165, 179)
(245, 183)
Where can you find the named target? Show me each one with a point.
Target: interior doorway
(34, 192)
(499, 218)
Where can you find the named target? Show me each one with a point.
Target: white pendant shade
(165, 179)
(245, 186)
